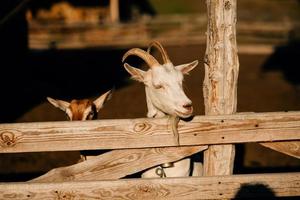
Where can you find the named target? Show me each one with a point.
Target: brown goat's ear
(63, 105)
(99, 102)
(186, 68)
(136, 74)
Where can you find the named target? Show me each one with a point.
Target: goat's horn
(161, 50)
(149, 59)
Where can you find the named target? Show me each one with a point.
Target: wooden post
(221, 74)
(114, 10)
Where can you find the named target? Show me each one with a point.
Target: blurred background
(73, 49)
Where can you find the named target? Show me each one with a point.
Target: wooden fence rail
(213, 187)
(144, 132)
(117, 164)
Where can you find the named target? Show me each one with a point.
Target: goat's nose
(188, 106)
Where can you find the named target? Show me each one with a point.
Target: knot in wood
(206, 59)
(227, 5)
(141, 127)
(8, 139)
(145, 188)
(65, 195)
(215, 76)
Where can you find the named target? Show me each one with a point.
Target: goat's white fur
(164, 96)
(164, 92)
(181, 168)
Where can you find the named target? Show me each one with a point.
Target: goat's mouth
(185, 114)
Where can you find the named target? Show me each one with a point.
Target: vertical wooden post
(114, 10)
(221, 74)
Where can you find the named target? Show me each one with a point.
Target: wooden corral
(279, 131)
(138, 144)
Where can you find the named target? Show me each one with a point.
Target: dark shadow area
(239, 167)
(255, 170)
(14, 50)
(63, 74)
(286, 59)
(258, 191)
(249, 191)
(19, 177)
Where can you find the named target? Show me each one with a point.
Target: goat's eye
(158, 86)
(91, 115)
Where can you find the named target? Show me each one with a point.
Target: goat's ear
(99, 102)
(136, 74)
(186, 68)
(63, 105)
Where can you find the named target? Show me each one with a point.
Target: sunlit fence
(143, 143)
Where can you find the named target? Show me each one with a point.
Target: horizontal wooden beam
(210, 187)
(86, 35)
(118, 163)
(144, 132)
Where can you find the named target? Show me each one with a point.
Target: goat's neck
(153, 112)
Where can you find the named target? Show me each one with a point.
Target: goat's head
(83, 109)
(163, 82)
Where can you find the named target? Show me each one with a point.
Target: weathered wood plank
(144, 132)
(118, 164)
(291, 148)
(221, 75)
(214, 187)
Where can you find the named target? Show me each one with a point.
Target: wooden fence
(149, 142)
(138, 144)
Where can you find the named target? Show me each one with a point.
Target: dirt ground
(263, 87)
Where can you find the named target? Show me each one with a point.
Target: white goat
(82, 109)
(164, 96)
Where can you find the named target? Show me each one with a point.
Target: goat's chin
(185, 114)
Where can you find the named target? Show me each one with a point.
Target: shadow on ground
(286, 59)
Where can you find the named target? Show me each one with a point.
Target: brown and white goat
(164, 95)
(82, 109)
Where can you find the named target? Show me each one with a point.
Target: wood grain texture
(118, 163)
(145, 132)
(215, 187)
(220, 80)
(290, 148)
